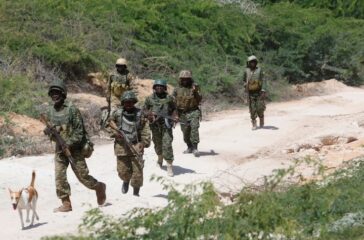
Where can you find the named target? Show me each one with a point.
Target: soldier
(130, 121)
(188, 98)
(161, 110)
(67, 120)
(119, 82)
(255, 86)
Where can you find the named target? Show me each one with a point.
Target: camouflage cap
(160, 82)
(185, 74)
(252, 58)
(121, 61)
(129, 95)
(58, 84)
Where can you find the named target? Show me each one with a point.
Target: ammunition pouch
(87, 149)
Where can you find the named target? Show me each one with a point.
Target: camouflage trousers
(162, 138)
(130, 171)
(80, 169)
(190, 132)
(256, 106)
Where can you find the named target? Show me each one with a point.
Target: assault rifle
(140, 160)
(61, 143)
(166, 118)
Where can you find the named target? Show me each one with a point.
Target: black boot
(136, 191)
(195, 150)
(189, 149)
(125, 187)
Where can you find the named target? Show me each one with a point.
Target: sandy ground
(231, 155)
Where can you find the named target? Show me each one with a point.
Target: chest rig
(130, 125)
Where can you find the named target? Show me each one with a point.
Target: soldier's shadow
(177, 170)
(269, 128)
(210, 153)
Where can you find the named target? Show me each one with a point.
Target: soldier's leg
(260, 111)
(194, 118)
(167, 145)
(168, 150)
(253, 111)
(137, 177)
(186, 130)
(124, 168)
(63, 189)
(81, 171)
(157, 137)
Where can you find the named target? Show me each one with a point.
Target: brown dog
(26, 199)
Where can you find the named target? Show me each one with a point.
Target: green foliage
(343, 8)
(20, 95)
(159, 38)
(328, 209)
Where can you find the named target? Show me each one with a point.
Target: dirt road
(231, 153)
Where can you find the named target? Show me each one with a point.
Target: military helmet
(252, 58)
(185, 74)
(121, 61)
(57, 85)
(128, 95)
(160, 82)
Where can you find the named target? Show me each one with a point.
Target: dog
(26, 199)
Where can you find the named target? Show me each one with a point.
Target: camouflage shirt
(255, 80)
(140, 129)
(69, 123)
(186, 98)
(160, 105)
(119, 84)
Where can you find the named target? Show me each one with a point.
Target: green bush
(20, 95)
(328, 209)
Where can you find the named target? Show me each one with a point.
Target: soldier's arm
(197, 93)
(77, 127)
(130, 81)
(145, 134)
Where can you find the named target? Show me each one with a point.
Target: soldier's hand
(140, 147)
(47, 131)
(263, 95)
(151, 117)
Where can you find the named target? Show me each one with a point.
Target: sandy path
(231, 153)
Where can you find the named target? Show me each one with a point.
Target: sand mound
(319, 88)
(22, 125)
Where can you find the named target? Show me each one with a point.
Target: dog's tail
(33, 179)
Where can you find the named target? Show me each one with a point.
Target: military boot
(136, 191)
(170, 169)
(100, 193)
(261, 122)
(195, 151)
(125, 187)
(160, 161)
(189, 149)
(65, 207)
(254, 123)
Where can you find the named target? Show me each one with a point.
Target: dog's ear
(10, 190)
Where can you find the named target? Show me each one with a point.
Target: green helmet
(160, 82)
(129, 95)
(58, 85)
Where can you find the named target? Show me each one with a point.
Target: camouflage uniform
(67, 120)
(119, 83)
(187, 102)
(137, 130)
(255, 86)
(161, 127)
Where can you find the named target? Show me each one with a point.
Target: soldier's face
(159, 89)
(56, 96)
(253, 64)
(121, 69)
(128, 105)
(185, 81)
